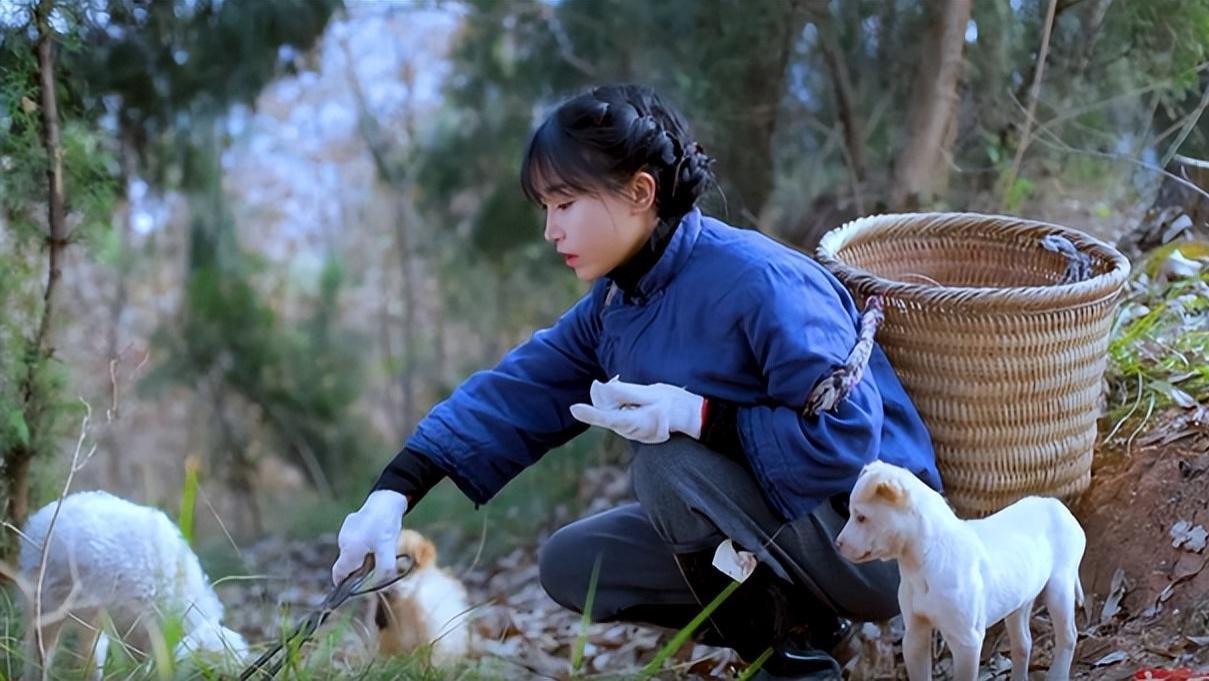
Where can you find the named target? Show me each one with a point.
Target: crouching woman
(713, 337)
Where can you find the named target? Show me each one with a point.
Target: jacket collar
(660, 258)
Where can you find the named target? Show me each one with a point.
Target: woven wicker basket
(1003, 361)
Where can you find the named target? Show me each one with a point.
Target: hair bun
(692, 175)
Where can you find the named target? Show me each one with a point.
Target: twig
(221, 525)
(479, 551)
(1062, 146)
(1134, 434)
(1057, 143)
(565, 49)
(1188, 126)
(1079, 111)
(112, 412)
(1034, 93)
(76, 465)
(1125, 418)
(1194, 162)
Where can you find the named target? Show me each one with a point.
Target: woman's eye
(565, 205)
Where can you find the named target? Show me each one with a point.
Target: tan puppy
(428, 607)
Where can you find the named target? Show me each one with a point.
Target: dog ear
(424, 552)
(417, 547)
(891, 491)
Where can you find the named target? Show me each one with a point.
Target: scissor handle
(346, 588)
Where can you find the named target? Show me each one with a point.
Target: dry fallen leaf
(1189, 537)
(1111, 658)
(1116, 592)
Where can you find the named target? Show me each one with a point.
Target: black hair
(599, 139)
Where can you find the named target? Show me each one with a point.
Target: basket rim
(1047, 297)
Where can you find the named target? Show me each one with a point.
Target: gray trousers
(691, 498)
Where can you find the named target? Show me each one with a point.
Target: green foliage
(147, 78)
(188, 502)
(22, 156)
(303, 378)
(1159, 350)
(177, 63)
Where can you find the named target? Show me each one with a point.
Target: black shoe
(759, 615)
(752, 618)
(799, 665)
(830, 633)
(817, 655)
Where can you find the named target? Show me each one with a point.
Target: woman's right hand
(372, 530)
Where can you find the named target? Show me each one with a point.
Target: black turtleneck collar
(629, 273)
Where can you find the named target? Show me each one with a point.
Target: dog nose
(839, 544)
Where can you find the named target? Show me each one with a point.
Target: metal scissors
(349, 587)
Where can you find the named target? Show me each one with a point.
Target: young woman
(713, 337)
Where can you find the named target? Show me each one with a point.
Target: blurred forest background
(258, 240)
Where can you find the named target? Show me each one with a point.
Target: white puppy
(962, 576)
(111, 558)
(426, 610)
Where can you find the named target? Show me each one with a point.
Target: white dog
(111, 558)
(426, 610)
(962, 576)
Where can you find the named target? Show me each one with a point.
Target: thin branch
(1079, 111)
(565, 49)
(76, 465)
(221, 525)
(1034, 93)
(1188, 126)
(1058, 144)
(1194, 162)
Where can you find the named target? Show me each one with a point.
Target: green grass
(320, 660)
(513, 519)
(1159, 347)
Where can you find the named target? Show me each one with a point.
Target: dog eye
(860, 518)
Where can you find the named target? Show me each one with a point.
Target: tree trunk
(1092, 20)
(18, 461)
(748, 107)
(1034, 93)
(922, 162)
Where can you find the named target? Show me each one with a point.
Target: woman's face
(595, 233)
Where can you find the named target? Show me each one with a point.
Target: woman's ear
(642, 190)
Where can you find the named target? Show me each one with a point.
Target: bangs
(556, 163)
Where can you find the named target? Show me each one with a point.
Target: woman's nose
(552, 233)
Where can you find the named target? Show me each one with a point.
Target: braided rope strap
(833, 387)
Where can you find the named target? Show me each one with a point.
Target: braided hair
(598, 140)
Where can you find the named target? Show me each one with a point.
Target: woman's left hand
(644, 413)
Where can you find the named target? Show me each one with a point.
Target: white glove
(374, 529)
(645, 413)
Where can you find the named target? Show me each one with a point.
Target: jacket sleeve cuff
(720, 428)
(411, 474)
